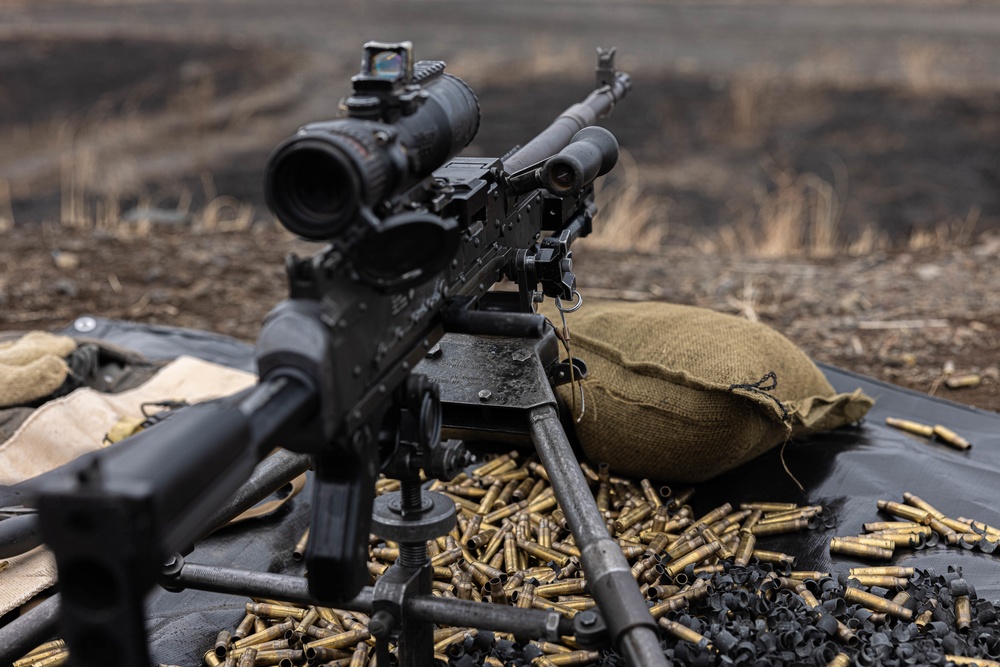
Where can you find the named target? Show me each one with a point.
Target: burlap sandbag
(683, 394)
(33, 366)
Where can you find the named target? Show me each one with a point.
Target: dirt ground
(831, 170)
(903, 317)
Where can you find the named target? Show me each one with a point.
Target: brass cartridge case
(317, 632)
(876, 603)
(526, 596)
(797, 513)
(47, 647)
(680, 600)
(963, 612)
(543, 554)
(946, 435)
(709, 569)
(360, 656)
(471, 531)
(846, 548)
(573, 658)
(744, 550)
(523, 489)
(890, 570)
(752, 519)
(963, 660)
(300, 547)
(377, 569)
(489, 570)
(453, 637)
(588, 472)
(807, 574)
(382, 553)
(511, 561)
(282, 657)
(275, 611)
(882, 580)
(507, 511)
(660, 517)
(911, 426)
(780, 527)
(773, 557)
(331, 619)
(731, 522)
(545, 501)
(539, 470)
(890, 525)
(680, 499)
(446, 558)
(248, 658)
(840, 660)
(979, 526)
(269, 634)
(662, 591)
(54, 658)
(680, 548)
(209, 659)
(507, 493)
(544, 603)
(312, 615)
(923, 619)
(565, 587)
(872, 541)
(481, 539)
(537, 489)
(637, 515)
(900, 538)
(710, 535)
(768, 507)
(550, 647)
(509, 476)
(222, 642)
(495, 463)
(651, 493)
(496, 541)
(545, 533)
(349, 638)
(497, 594)
(463, 590)
(683, 632)
(259, 626)
(692, 558)
(486, 505)
(471, 492)
(276, 645)
(245, 627)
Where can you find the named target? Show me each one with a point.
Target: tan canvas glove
(33, 366)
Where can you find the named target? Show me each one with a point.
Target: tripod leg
(632, 628)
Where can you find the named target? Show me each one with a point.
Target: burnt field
(842, 185)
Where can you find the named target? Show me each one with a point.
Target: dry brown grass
(629, 218)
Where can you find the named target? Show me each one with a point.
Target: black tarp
(847, 470)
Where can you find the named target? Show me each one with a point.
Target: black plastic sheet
(847, 470)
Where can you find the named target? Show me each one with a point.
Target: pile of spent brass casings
(917, 524)
(512, 546)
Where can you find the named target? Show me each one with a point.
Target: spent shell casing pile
(717, 593)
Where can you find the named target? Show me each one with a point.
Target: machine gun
(389, 334)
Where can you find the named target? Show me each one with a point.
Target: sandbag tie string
(767, 383)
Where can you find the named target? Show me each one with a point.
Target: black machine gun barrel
(415, 240)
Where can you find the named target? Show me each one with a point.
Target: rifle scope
(405, 120)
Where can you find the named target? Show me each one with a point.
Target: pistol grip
(337, 553)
